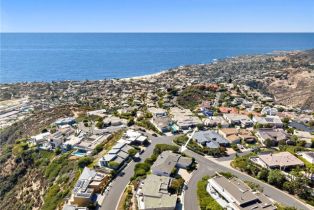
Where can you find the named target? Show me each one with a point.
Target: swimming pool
(80, 153)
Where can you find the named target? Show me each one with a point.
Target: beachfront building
(234, 194)
(281, 160)
(153, 194)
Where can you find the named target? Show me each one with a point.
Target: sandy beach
(144, 77)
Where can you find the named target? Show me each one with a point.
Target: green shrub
(206, 202)
(275, 177)
(84, 161)
(113, 164)
(132, 152)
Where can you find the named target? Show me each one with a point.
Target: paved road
(120, 182)
(190, 196)
(208, 167)
(205, 167)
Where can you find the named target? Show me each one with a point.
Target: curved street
(205, 167)
(208, 167)
(112, 198)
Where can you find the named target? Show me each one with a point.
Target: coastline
(152, 75)
(145, 77)
(79, 57)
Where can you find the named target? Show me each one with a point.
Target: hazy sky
(157, 15)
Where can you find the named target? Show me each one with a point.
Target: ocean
(80, 56)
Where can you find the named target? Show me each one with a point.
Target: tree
(44, 130)
(176, 185)
(113, 164)
(294, 138)
(250, 115)
(268, 143)
(139, 172)
(98, 149)
(130, 122)
(132, 152)
(286, 120)
(84, 161)
(288, 186)
(275, 177)
(99, 124)
(58, 151)
(290, 130)
(144, 166)
(262, 174)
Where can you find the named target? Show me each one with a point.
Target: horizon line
(183, 32)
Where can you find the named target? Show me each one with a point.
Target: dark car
(142, 129)
(154, 134)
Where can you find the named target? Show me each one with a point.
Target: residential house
(118, 155)
(39, 138)
(89, 182)
(215, 121)
(167, 161)
(304, 136)
(210, 139)
(273, 134)
(238, 119)
(114, 121)
(234, 135)
(65, 121)
(134, 137)
(158, 112)
(308, 156)
(281, 160)
(153, 194)
(99, 113)
(162, 123)
(225, 110)
(89, 143)
(271, 121)
(72, 207)
(231, 134)
(184, 118)
(234, 194)
(269, 111)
